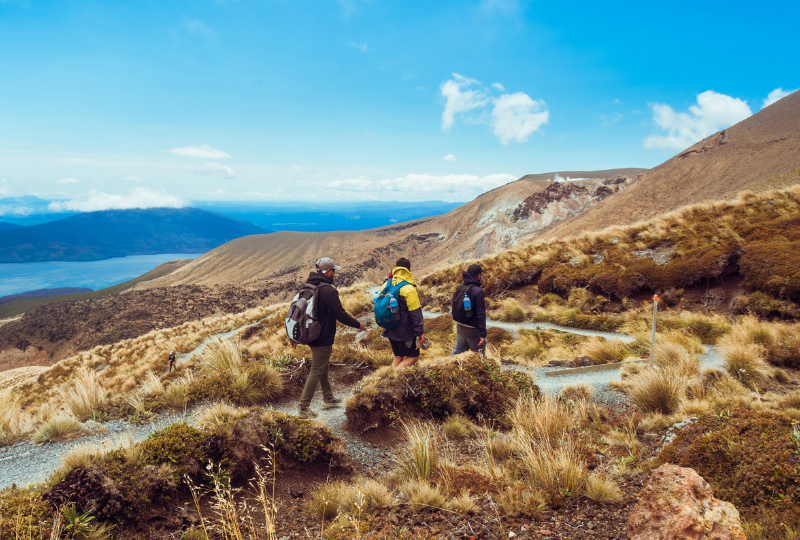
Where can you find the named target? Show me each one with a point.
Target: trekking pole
(653, 338)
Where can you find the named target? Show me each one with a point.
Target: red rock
(678, 504)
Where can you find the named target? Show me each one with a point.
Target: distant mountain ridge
(118, 233)
(493, 221)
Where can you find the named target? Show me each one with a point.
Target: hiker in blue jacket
(406, 338)
(471, 334)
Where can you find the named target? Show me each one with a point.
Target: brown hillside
(760, 152)
(494, 221)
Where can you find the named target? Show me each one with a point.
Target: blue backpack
(387, 307)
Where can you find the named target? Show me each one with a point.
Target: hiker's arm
(480, 311)
(334, 306)
(417, 321)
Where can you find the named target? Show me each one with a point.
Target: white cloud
(360, 46)
(451, 186)
(297, 168)
(512, 117)
(712, 113)
(515, 116)
(202, 152)
(211, 168)
(94, 201)
(449, 157)
(775, 95)
(10, 210)
(133, 178)
(458, 99)
(67, 181)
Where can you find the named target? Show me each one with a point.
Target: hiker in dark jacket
(472, 334)
(329, 310)
(407, 337)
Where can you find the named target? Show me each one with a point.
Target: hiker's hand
(481, 342)
(292, 344)
(361, 326)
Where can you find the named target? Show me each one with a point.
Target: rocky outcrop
(678, 504)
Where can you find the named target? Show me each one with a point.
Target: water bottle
(467, 304)
(395, 309)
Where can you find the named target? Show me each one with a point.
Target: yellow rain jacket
(411, 321)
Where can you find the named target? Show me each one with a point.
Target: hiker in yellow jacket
(406, 337)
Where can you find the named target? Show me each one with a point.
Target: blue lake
(22, 277)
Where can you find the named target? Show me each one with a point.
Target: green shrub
(750, 459)
(473, 386)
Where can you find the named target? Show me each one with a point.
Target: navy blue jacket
(478, 299)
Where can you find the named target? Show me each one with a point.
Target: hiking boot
(331, 402)
(306, 413)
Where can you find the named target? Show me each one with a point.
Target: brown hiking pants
(320, 357)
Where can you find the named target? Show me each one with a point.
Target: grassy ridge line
(18, 307)
(756, 233)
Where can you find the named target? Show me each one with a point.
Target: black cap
(475, 270)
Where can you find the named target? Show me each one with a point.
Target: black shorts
(399, 348)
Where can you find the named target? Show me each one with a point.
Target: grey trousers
(320, 357)
(467, 339)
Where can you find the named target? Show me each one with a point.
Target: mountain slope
(495, 220)
(748, 155)
(117, 233)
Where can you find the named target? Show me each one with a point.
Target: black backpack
(302, 320)
(460, 312)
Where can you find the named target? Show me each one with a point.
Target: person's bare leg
(397, 360)
(409, 361)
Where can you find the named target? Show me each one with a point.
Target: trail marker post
(653, 338)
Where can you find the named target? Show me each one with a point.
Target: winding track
(24, 464)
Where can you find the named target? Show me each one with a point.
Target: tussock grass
(673, 356)
(176, 395)
(357, 302)
(497, 447)
(540, 419)
(576, 392)
(219, 413)
(458, 426)
(421, 456)
(84, 395)
(654, 421)
(602, 489)
(151, 385)
(422, 495)
(15, 424)
(221, 357)
(515, 502)
(744, 363)
(463, 504)
(552, 469)
(137, 401)
(368, 496)
(509, 310)
(657, 390)
(604, 351)
(327, 498)
(57, 428)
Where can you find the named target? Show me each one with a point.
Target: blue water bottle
(467, 304)
(395, 309)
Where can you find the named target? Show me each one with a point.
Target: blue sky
(162, 103)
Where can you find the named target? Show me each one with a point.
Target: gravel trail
(24, 463)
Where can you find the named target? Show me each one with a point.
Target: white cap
(326, 263)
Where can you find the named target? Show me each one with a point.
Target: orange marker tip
(655, 298)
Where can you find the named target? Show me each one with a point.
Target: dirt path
(24, 463)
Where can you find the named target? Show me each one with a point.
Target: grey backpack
(302, 322)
